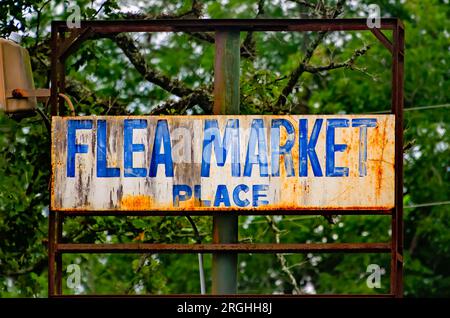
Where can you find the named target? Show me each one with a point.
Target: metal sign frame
(65, 41)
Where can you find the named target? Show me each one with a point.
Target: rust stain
(170, 209)
(136, 202)
(382, 144)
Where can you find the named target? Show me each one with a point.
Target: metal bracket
(73, 42)
(42, 94)
(382, 38)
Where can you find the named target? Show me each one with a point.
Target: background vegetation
(280, 73)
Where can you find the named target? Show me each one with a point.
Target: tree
(282, 73)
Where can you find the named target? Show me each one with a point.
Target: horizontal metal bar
(232, 248)
(230, 212)
(208, 25)
(233, 296)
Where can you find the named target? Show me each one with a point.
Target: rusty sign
(142, 163)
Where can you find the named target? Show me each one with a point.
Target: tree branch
(80, 92)
(249, 46)
(37, 267)
(300, 69)
(306, 4)
(349, 63)
(38, 21)
(194, 13)
(189, 97)
(126, 43)
(206, 37)
(281, 259)
(196, 98)
(247, 49)
(319, 9)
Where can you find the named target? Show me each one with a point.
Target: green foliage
(102, 80)
(24, 175)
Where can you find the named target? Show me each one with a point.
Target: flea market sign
(195, 163)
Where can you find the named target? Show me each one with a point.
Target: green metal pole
(226, 102)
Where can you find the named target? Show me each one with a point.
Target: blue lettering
(198, 196)
(363, 123)
(230, 140)
(102, 170)
(129, 147)
(332, 148)
(285, 150)
(257, 188)
(181, 192)
(237, 200)
(222, 196)
(257, 136)
(72, 147)
(162, 136)
(308, 149)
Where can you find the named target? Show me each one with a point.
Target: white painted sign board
(196, 163)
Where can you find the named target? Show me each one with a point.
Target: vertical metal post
(54, 70)
(397, 109)
(61, 78)
(51, 253)
(54, 111)
(59, 217)
(58, 256)
(226, 102)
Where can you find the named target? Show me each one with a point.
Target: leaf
(140, 237)
(139, 223)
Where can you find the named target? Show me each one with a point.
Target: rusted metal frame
(58, 255)
(235, 296)
(231, 248)
(89, 27)
(70, 41)
(230, 212)
(54, 70)
(226, 102)
(382, 38)
(58, 219)
(400, 234)
(396, 278)
(397, 110)
(55, 218)
(61, 77)
(211, 25)
(57, 77)
(51, 254)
